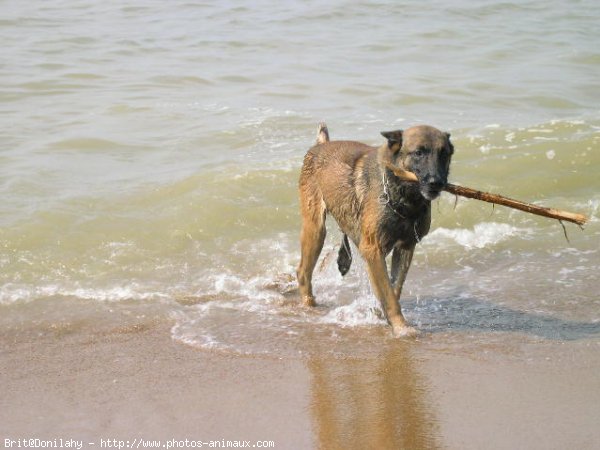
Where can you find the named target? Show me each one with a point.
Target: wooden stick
(552, 213)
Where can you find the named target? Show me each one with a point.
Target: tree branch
(552, 213)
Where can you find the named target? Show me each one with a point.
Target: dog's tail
(322, 133)
(344, 259)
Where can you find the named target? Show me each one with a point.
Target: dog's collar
(385, 200)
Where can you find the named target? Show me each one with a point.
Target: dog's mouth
(431, 191)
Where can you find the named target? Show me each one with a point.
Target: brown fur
(379, 212)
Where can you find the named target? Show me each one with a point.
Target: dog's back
(337, 173)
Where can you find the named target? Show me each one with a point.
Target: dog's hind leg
(312, 238)
(401, 259)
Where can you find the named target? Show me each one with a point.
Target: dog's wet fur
(376, 210)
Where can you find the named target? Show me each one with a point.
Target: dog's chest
(403, 222)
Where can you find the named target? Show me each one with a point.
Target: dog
(376, 209)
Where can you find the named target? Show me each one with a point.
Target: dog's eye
(419, 152)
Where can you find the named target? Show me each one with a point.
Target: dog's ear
(394, 139)
(450, 146)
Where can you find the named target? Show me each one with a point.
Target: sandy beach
(59, 380)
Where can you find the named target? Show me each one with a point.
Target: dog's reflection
(380, 402)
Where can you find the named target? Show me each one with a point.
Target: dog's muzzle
(431, 191)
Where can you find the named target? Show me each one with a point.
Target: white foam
(228, 285)
(192, 337)
(362, 311)
(542, 138)
(11, 293)
(593, 205)
(482, 235)
(252, 315)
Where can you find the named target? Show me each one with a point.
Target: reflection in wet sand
(378, 402)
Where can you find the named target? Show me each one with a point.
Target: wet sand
(134, 381)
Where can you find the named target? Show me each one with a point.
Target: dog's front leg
(401, 259)
(386, 294)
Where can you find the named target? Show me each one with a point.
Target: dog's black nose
(431, 190)
(436, 185)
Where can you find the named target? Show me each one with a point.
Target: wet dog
(378, 211)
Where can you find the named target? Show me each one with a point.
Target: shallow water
(149, 158)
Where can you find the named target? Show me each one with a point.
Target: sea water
(150, 152)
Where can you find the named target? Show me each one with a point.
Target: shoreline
(135, 382)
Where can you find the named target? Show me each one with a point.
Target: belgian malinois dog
(377, 210)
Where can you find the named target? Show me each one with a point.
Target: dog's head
(425, 151)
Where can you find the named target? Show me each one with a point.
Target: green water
(151, 154)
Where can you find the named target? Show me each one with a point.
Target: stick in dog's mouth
(404, 175)
(579, 219)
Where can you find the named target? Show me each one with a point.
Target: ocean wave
(365, 310)
(256, 314)
(14, 293)
(482, 235)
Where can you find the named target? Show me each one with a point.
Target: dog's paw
(308, 300)
(403, 331)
